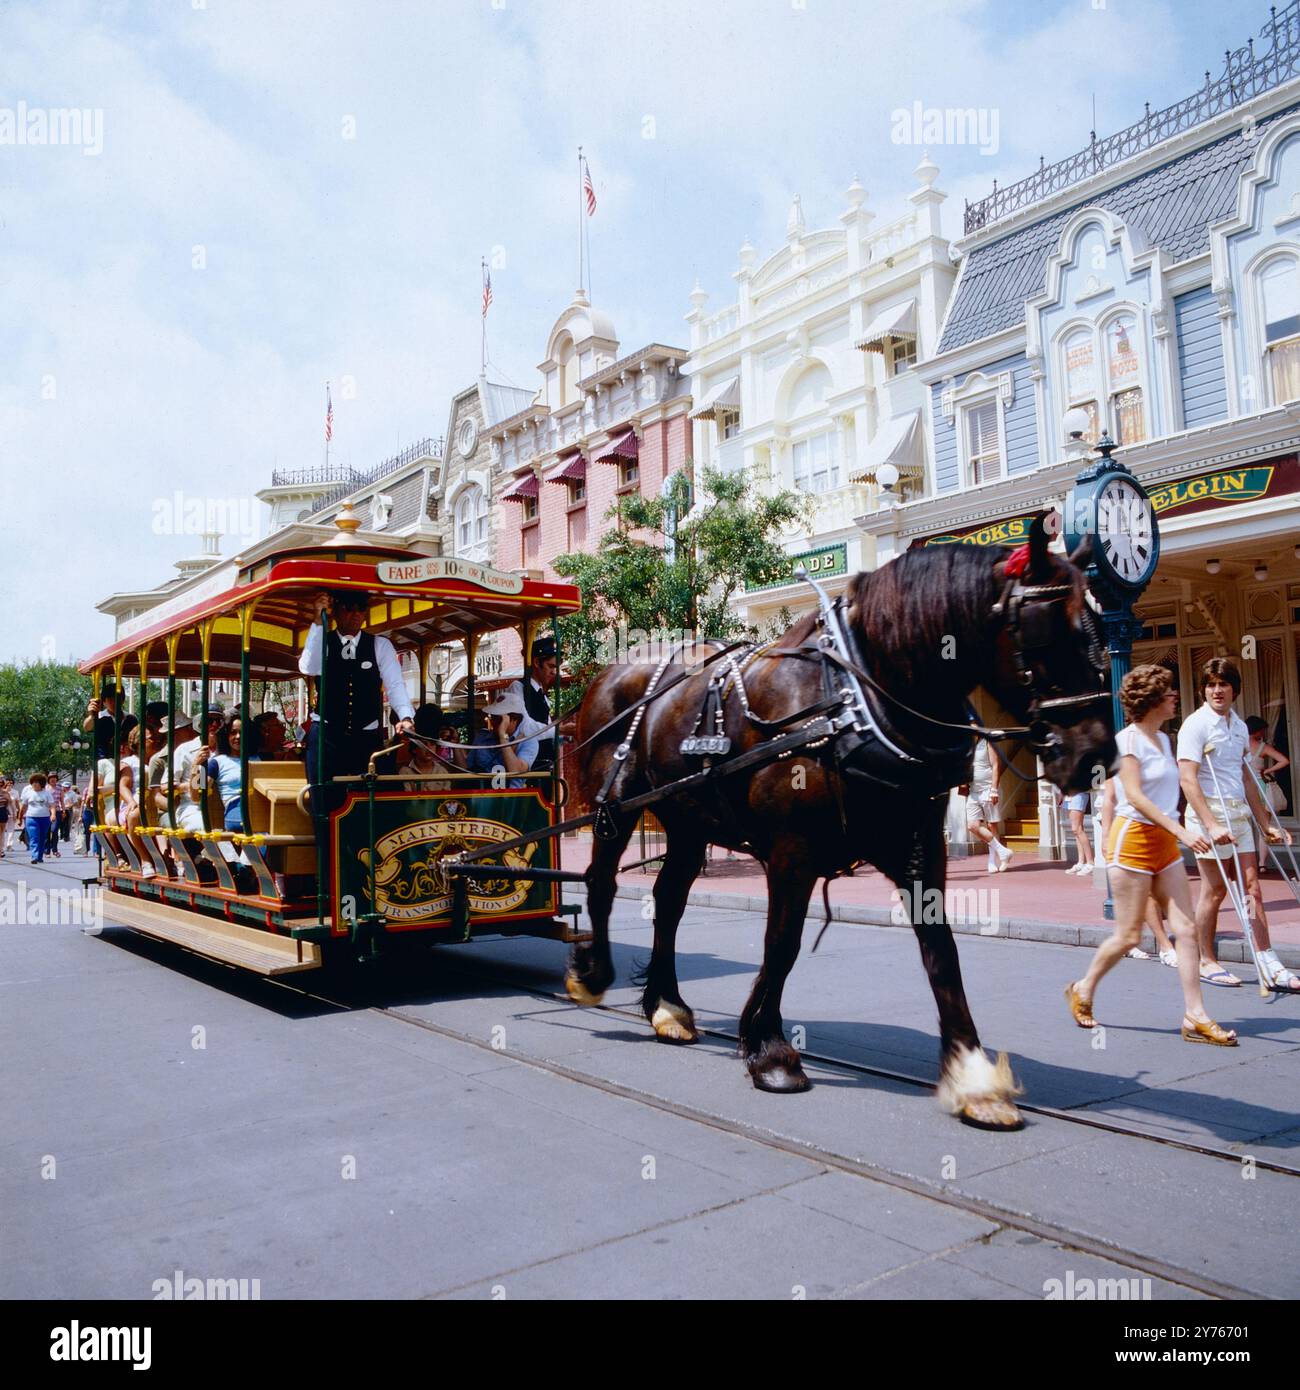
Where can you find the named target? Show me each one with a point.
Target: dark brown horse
(931, 626)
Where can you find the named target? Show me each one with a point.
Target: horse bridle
(1028, 609)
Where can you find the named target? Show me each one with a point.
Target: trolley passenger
(1143, 857)
(224, 768)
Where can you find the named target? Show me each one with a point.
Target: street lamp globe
(1075, 422)
(887, 476)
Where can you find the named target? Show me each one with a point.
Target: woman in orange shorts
(1143, 856)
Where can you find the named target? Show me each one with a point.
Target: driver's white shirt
(1227, 739)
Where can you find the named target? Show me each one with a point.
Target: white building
(807, 380)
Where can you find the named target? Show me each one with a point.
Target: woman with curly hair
(1143, 856)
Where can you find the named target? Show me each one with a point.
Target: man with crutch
(1221, 798)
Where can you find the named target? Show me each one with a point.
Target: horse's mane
(926, 612)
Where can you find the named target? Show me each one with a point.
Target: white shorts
(1077, 802)
(980, 806)
(1240, 822)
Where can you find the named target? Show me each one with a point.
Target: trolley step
(248, 947)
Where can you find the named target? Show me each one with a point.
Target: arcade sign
(448, 567)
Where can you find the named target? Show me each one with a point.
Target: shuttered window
(982, 448)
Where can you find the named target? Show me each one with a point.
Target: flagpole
(581, 210)
(586, 227)
(482, 362)
(327, 433)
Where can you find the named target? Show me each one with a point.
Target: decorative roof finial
(795, 226)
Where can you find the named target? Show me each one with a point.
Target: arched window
(471, 524)
(1124, 380)
(809, 392)
(1102, 371)
(567, 363)
(1081, 379)
(1279, 284)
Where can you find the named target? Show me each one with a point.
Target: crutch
(1237, 889)
(1292, 879)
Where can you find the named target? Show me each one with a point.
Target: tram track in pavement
(1073, 1117)
(1000, 1216)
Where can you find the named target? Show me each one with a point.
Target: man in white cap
(189, 815)
(513, 727)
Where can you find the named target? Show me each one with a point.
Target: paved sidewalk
(1033, 900)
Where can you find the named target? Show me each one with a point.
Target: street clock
(1109, 504)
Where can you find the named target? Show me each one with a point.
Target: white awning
(723, 397)
(897, 441)
(898, 323)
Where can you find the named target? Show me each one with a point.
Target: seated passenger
(427, 755)
(224, 767)
(188, 816)
(272, 744)
(511, 745)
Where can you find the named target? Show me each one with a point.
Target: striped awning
(724, 396)
(897, 441)
(897, 323)
(525, 487)
(626, 446)
(571, 470)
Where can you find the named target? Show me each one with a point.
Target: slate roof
(1173, 205)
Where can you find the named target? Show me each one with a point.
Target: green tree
(41, 708)
(669, 565)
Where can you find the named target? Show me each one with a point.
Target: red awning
(574, 470)
(624, 447)
(525, 487)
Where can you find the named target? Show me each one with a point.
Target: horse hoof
(991, 1114)
(579, 992)
(781, 1080)
(674, 1024)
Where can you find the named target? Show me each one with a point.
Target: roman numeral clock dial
(1125, 532)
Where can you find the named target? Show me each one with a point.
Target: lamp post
(1111, 508)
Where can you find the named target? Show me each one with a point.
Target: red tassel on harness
(1017, 563)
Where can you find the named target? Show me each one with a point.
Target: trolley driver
(360, 669)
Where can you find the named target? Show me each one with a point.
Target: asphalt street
(477, 1136)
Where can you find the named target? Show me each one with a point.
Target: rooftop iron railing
(351, 480)
(1246, 74)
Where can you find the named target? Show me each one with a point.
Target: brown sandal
(1208, 1032)
(1082, 1011)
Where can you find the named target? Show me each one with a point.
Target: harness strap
(655, 694)
(768, 752)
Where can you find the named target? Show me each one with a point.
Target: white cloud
(329, 257)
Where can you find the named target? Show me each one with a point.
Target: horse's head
(1049, 662)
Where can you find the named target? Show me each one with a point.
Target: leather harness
(850, 717)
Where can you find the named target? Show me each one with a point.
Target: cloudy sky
(285, 193)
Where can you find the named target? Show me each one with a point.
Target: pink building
(601, 426)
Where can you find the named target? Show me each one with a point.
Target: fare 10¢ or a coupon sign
(448, 567)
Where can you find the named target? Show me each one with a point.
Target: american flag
(587, 188)
(487, 291)
(329, 416)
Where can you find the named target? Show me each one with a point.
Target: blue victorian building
(1148, 286)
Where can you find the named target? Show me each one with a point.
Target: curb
(1012, 929)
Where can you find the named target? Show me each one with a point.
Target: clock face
(1126, 532)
